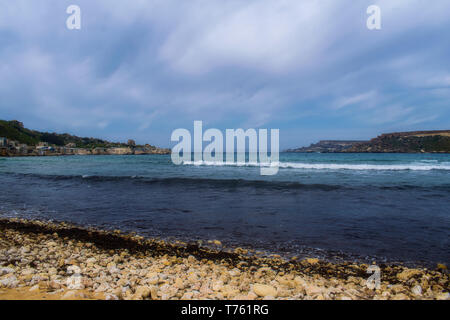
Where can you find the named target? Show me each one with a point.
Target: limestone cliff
(397, 142)
(407, 142)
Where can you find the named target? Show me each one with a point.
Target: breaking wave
(328, 166)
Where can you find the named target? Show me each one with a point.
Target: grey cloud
(147, 67)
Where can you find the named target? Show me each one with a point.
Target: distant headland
(16, 140)
(397, 142)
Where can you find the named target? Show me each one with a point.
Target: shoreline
(42, 260)
(77, 155)
(169, 152)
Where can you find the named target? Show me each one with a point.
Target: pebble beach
(43, 260)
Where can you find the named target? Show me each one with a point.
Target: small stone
(443, 296)
(240, 251)
(111, 265)
(179, 283)
(312, 260)
(400, 296)
(154, 293)
(286, 282)
(230, 292)
(142, 292)
(187, 296)
(86, 282)
(102, 287)
(28, 271)
(74, 282)
(6, 270)
(52, 271)
(91, 260)
(123, 282)
(217, 286)
(408, 274)
(313, 290)
(153, 280)
(25, 249)
(264, 290)
(235, 272)
(151, 274)
(111, 297)
(192, 278)
(43, 286)
(251, 296)
(300, 282)
(34, 288)
(9, 282)
(54, 285)
(191, 259)
(113, 270)
(417, 290)
(69, 295)
(166, 262)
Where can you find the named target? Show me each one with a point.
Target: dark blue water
(386, 206)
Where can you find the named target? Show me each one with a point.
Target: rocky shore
(56, 151)
(41, 260)
(437, 141)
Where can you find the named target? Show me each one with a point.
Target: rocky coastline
(18, 141)
(437, 141)
(66, 151)
(43, 260)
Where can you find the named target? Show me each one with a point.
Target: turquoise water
(368, 206)
(349, 169)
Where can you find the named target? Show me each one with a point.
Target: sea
(387, 208)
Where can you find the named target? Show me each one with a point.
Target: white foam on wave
(326, 166)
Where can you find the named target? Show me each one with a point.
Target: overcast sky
(140, 69)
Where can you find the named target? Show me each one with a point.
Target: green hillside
(407, 142)
(14, 130)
